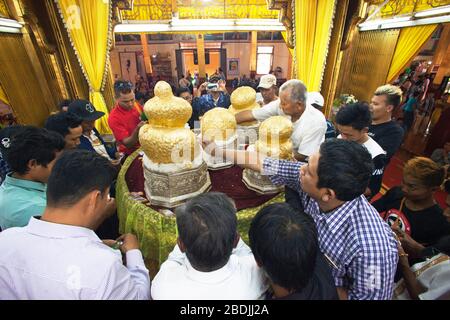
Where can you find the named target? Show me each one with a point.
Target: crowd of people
(330, 239)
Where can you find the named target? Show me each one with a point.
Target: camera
(212, 86)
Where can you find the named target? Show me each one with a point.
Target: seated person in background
(235, 83)
(353, 121)
(216, 96)
(210, 260)
(125, 118)
(317, 101)
(268, 88)
(31, 154)
(60, 256)
(428, 280)
(91, 139)
(142, 98)
(413, 202)
(185, 93)
(284, 243)
(351, 234)
(442, 155)
(68, 125)
(386, 132)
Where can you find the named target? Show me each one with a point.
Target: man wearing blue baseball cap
(91, 139)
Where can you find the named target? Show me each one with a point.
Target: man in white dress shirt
(309, 123)
(59, 256)
(210, 260)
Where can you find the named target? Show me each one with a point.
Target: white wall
(239, 50)
(242, 51)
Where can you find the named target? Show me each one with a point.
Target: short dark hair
(122, 86)
(207, 226)
(181, 90)
(30, 143)
(62, 122)
(140, 95)
(345, 167)
(75, 174)
(357, 115)
(285, 243)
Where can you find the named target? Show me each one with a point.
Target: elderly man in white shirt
(309, 123)
(59, 256)
(203, 264)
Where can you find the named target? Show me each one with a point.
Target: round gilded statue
(166, 110)
(218, 125)
(274, 138)
(164, 139)
(244, 98)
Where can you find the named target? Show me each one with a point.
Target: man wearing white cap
(309, 123)
(317, 101)
(268, 89)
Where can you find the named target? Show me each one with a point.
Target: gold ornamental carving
(285, 17)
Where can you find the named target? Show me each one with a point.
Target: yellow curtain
(88, 24)
(3, 96)
(313, 24)
(409, 43)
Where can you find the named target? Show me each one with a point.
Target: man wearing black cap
(91, 139)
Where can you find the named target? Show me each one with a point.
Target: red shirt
(122, 123)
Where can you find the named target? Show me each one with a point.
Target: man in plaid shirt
(358, 244)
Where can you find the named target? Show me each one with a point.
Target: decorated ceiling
(401, 7)
(199, 9)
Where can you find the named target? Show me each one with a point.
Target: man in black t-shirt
(387, 133)
(413, 202)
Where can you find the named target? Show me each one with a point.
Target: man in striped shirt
(358, 244)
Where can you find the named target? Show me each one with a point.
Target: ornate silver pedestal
(259, 183)
(173, 189)
(216, 163)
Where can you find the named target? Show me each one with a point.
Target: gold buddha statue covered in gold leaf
(243, 99)
(274, 141)
(174, 169)
(275, 138)
(165, 139)
(218, 125)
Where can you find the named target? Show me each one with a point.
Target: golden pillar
(201, 56)
(147, 61)
(253, 51)
(334, 58)
(441, 57)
